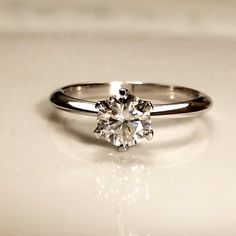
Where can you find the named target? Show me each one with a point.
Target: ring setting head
(124, 120)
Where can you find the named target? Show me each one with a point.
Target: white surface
(199, 17)
(56, 179)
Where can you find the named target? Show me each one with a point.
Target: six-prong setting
(124, 120)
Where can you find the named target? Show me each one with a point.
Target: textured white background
(55, 179)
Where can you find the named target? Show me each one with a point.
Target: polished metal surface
(166, 99)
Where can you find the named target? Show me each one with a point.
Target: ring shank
(166, 99)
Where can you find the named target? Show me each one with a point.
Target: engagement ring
(124, 109)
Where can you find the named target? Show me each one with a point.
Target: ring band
(177, 100)
(124, 119)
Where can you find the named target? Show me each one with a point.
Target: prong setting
(124, 120)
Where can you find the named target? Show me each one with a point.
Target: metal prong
(123, 92)
(98, 105)
(101, 105)
(146, 105)
(148, 133)
(149, 105)
(97, 133)
(123, 148)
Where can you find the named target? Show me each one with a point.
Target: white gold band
(166, 99)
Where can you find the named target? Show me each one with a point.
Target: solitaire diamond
(124, 120)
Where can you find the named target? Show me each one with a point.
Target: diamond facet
(124, 120)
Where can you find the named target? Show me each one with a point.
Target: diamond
(124, 120)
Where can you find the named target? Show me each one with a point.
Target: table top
(56, 179)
